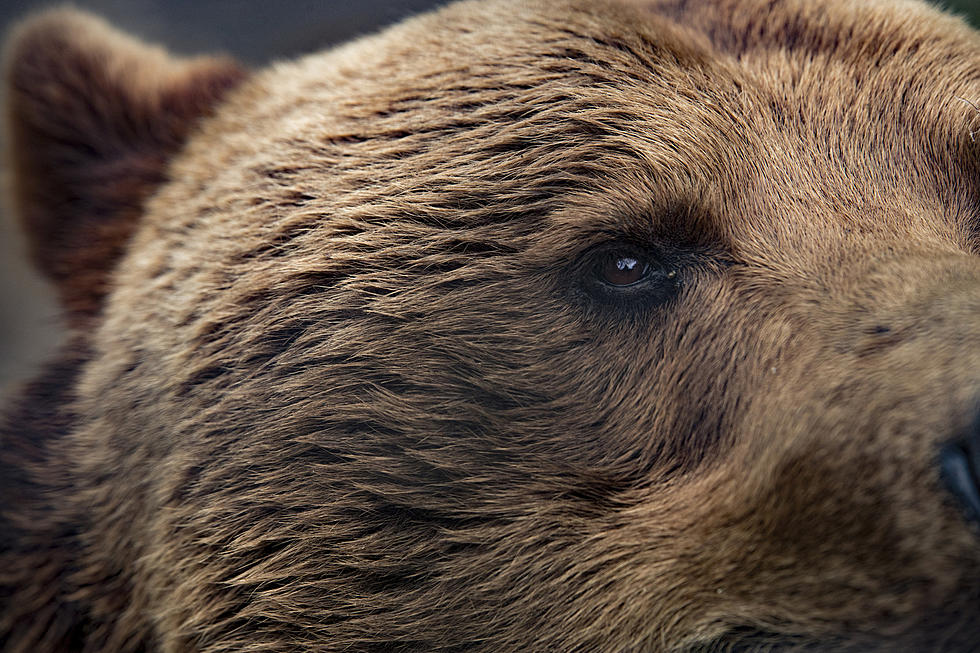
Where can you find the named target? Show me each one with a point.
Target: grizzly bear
(524, 325)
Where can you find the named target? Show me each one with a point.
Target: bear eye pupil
(622, 270)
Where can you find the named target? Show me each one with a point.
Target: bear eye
(624, 274)
(623, 270)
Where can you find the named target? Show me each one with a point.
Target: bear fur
(350, 368)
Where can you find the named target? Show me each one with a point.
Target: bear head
(560, 325)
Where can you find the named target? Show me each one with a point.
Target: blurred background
(254, 31)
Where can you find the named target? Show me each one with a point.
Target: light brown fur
(350, 387)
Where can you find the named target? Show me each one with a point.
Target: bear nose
(959, 463)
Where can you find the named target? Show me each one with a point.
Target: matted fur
(349, 390)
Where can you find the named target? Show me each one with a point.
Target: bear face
(519, 326)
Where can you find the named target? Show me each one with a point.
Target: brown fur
(351, 388)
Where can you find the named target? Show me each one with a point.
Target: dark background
(254, 31)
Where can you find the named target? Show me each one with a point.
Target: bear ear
(92, 119)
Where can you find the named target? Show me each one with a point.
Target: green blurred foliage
(967, 8)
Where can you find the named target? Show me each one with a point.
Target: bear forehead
(494, 143)
(485, 112)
